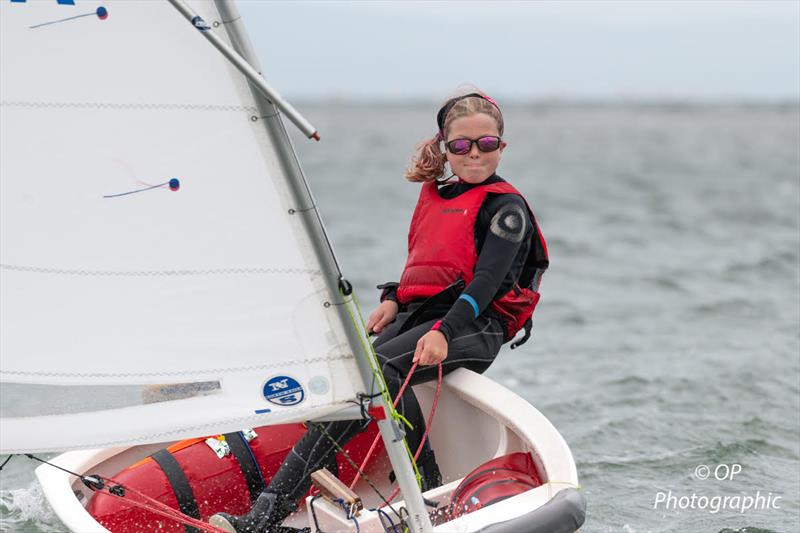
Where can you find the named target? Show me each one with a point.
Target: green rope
(405, 421)
(378, 373)
(367, 346)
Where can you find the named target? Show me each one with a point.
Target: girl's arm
(504, 251)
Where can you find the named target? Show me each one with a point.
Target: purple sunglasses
(487, 143)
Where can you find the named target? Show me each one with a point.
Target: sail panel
(141, 53)
(147, 238)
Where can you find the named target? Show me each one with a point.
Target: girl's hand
(431, 349)
(382, 316)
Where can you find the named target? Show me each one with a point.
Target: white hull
(476, 420)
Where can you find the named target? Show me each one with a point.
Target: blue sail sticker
(101, 13)
(174, 185)
(283, 390)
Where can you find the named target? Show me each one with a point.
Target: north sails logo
(279, 385)
(283, 390)
(453, 211)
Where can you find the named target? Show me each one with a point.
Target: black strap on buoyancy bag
(180, 485)
(250, 470)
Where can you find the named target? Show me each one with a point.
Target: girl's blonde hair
(428, 162)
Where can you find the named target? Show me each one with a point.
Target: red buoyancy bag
(494, 481)
(212, 483)
(441, 249)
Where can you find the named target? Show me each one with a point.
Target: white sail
(131, 312)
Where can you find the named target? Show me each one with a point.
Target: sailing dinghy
(167, 282)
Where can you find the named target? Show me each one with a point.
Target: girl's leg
(313, 451)
(474, 348)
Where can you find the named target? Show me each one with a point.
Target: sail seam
(173, 372)
(128, 106)
(158, 273)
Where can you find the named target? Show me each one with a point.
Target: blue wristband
(472, 302)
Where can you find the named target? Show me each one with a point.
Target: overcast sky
(699, 50)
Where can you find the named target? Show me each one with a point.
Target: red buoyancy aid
(441, 249)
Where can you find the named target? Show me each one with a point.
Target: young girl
(475, 258)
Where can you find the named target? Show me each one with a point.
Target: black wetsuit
(503, 233)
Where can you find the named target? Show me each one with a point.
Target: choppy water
(668, 335)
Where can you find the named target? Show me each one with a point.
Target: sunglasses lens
(460, 146)
(488, 144)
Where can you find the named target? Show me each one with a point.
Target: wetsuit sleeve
(509, 225)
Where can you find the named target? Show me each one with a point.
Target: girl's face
(474, 166)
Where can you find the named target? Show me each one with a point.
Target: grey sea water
(668, 336)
